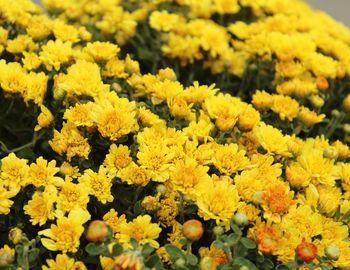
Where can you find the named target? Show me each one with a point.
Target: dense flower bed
(176, 134)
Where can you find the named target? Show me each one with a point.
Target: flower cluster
(123, 148)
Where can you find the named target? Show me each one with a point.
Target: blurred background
(338, 9)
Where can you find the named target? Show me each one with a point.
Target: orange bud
(192, 229)
(322, 83)
(306, 252)
(97, 231)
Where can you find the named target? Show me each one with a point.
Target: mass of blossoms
(173, 134)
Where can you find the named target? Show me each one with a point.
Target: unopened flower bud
(97, 231)
(316, 101)
(322, 83)
(180, 263)
(332, 251)
(161, 189)
(346, 103)
(240, 219)
(218, 230)
(257, 197)
(244, 267)
(207, 263)
(335, 113)
(15, 235)
(330, 152)
(306, 252)
(346, 128)
(116, 87)
(192, 229)
(6, 258)
(150, 204)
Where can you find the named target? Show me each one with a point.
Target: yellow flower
(69, 141)
(262, 100)
(133, 174)
(20, 44)
(115, 68)
(297, 176)
(55, 53)
(102, 51)
(189, 178)
(220, 202)
(228, 159)
(36, 87)
(112, 219)
(344, 173)
(41, 207)
(321, 170)
(14, 171)
(148, 118)
(45, 118)
(140, 229)
(117, 158)
(83, 78)
(72, 196)
(168, 211)
(98, 183)
(114, 116)
(42, 173)
(308, 117)
(271, 139)
(157, 160)
(69, 170)
(79, 115)
(276, 201)
(65, 32)
(31, 61)
(248, 118)
(66, 234)
(63, 262)
(164, 21)
(329, 199)
(285, 106)
(5, 202)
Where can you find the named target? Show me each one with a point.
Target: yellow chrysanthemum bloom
(45, 118)
(63, 262)
(69, 170)
(219, 202)
(42, 173)
(83, 78)
(321, 170)
(14, 171)
(56, 53)
(148, 118)
(329, 199)
(114, 116)
(72, 196)
(228, 159)
(140, 229)
(36, 87)
(271, 139)
(276, 201)
(102, 51)
(5, 202)
(157, 159)
(41, 207)
(31, 61)
(65, 234)
(133, 174)
(309, 117)
(168, 211)
(70, 142)
(344, 174)
(112, 219)
(64, 32)
(98, 183)
(79, 115)
(117, 158)
(189, 177)
(285, 106)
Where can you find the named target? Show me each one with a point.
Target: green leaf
(138, 208)
(268, 264)
(233, 239)
(134, 243)
(249, 244)
(174, 252)
(191, 259)
(154, 262)
(293, 264)
(282, 267)
(94, 249)
(244, 262)
(218, 244)
(33, 254)
(147, 250)
(117, 250)
(240, 250)
(235, 228)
